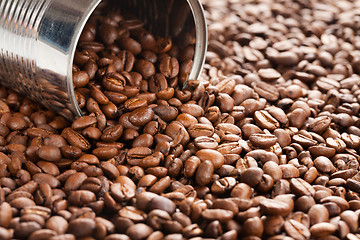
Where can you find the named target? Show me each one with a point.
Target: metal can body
(38, 39)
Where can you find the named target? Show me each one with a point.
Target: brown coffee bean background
(264, 145)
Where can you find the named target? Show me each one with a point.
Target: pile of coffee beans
(264, 146)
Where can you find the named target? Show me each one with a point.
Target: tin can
(38, 39)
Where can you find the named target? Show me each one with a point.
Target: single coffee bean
(269, 74)
(300, 187)
(138, 231)
(141, 116)
(114, 82)
(76, 139)
(49, 153)
(275, 207)
(252, 176)
(57, 224)
(81, 197)
(217, 214)
(204, 173)
(296, 230)
(203, 142)
(318, 213)
(265, 120)
(322, 229)
(263, 140)
(216, 158)
(81, 227)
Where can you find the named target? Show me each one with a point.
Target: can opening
(180, 21)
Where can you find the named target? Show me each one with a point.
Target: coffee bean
(265, 120)
(323, 164)
(123, 189)
(204, 173)
(192, 109)
(46, 178)
(163, 204)
(269, 74)
(296, 229)
(342, 203)
(104, 153)
(253, 227)
(63, 236)
(252, 176)
(217, 214)
(81, 197)
(266, 91)
(5, 211)
(116, 236)
(114, 82)
(318, 213)
(216, 158)
(166, 113)
(301, 187)
(263, 140)
(275, 207)
(76, 139)
(57, 224)
(42, 234)
(289, 171)
(81, 227)
(199, 130)
(24, 229)
(141, 116)
(74, 181)
(49, 153)
(322, 229)
(139, 231)
(203, 142)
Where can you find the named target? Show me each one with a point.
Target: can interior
(181, 20)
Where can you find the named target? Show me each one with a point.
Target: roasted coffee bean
(81, 197)
(57, 224)
(296, 230)
(114, 82)
(217, 214)
(139, 231)
(123, 189)
(5, 211)
(263, 140)
(265, 120)
(166, 113)
(81, 227)
(204, 142)
(275, 207)
(318, 213)
(204, 173)
(49, 153)
(141, 116)
(322, 229)
(252, 176)
(301, 187)
(215, 157)
(199, 130)
(76, 139)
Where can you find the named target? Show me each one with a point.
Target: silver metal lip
(201, 39)
(75, 41)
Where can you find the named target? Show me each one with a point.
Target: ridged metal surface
(37, 45)
(18, 33)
